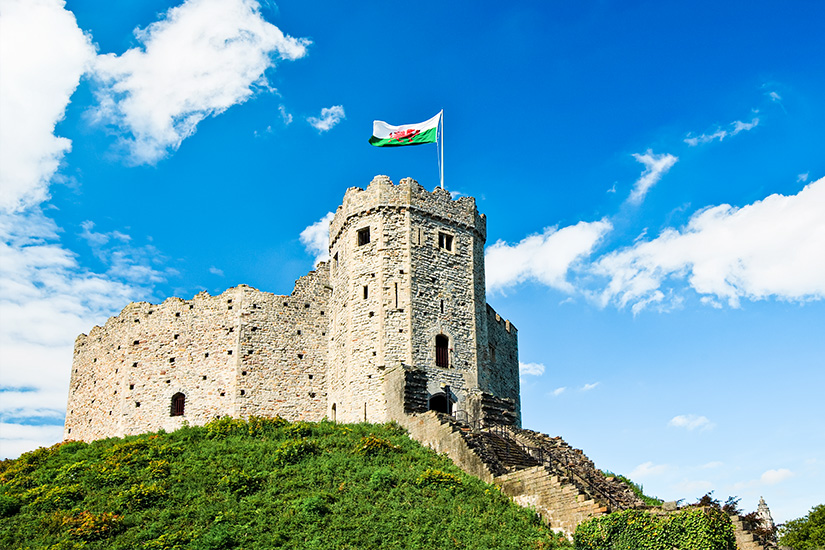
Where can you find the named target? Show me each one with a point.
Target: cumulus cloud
(16, 439)
(315, 238)
(201, 58)
(43, 54)
(285, 116)
(771, 248)
(47, 299)
(772, 477)
(330, 116)
(720, 134)
(546, 257)
(691, 422)
(656, 166)
(533, 369)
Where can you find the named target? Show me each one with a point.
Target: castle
(395, 323)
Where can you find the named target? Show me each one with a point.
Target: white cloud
(315, 238)
(735, 127)
(215, 271)
(647, 470)
(16, 439)
(772, 247)
(774, 96)
(47, 299)
(544, 257)
(330, 116)
(656, 166)
(772, 477)
(558, 391)
(802, 178)
(712, 465)
(285, 116)
(588, 387)
(201, 58)
(43, 54)
(691, 422)
(534, 369)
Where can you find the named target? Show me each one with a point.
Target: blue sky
(652, 173)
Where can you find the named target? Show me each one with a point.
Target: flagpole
(441, 119)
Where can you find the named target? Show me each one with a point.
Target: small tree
(806, 533)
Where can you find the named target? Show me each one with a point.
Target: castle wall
(282, 351)
(125, 373)
(500, 376)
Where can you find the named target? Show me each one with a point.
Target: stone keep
(395, 323)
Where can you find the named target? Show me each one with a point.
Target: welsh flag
(387, 135)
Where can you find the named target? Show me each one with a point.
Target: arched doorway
(333, 412)
(441, 403)
(442, 351)
(178, 402)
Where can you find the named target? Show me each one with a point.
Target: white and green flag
(387, 135)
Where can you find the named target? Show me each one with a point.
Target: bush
(437, 478)
(140, 496)
(694, 528)
(240, 483)
(373, 445)
(9, 505)
(294, 450)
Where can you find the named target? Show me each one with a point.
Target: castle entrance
(441, 403)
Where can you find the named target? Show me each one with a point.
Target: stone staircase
(745, 540)
(535, 470)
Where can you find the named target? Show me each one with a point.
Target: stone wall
(234, 354)
(501, 376)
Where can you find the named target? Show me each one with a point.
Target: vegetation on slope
(637, 489)
(256, 484)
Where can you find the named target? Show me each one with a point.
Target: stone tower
(407, 272)
(396, 323)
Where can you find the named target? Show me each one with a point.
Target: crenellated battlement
(408, 194)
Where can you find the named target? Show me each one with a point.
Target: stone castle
(395, 326)
(395, 323)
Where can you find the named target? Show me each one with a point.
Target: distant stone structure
(395, 323)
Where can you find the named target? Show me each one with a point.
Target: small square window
(445, 241)
(363, 236)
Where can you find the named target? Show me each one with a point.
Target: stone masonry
(396, 322)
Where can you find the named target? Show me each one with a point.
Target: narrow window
(178, 401)
(396, 295)
(493, 355)
(363, 236)
(366, 292)
(445, 241)
(333, 412)
(442, 353)
(442, 306)
(335, 260)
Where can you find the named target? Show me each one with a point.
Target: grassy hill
(257, 484)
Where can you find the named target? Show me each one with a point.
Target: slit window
(445, 241)
(442, 351)
(178, 401)
(363, 236)
(366, 292)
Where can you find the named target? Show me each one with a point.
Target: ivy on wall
(689, 529)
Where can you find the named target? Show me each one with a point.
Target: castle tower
(407, 272)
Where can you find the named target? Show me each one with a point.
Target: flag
(387, 135)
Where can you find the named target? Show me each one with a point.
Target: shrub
(240, 483)
(9, 505)
(382, 480)
(694, 528)
(294, 450)
(140, 496)
(438, 478)
(88, 526)
(373, 445)
(57, 497)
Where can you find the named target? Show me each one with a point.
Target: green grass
(261, 484)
